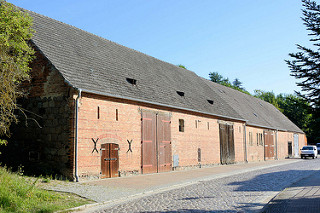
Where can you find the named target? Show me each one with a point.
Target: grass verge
(20, 194)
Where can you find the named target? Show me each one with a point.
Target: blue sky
(245, 39)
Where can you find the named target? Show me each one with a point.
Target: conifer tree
(305, 65)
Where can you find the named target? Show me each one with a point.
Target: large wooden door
(164, 143)
(268, 145)
(149, 148)
(109, 160)
(156, 142)
(227, 152)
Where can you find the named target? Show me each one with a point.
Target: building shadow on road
(247, 207)
(309, 204)
(276, 181)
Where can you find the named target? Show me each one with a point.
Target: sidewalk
(303, 196)
(113, 191)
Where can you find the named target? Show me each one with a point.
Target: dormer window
(210, 101)
(180, 93)
(132, 81)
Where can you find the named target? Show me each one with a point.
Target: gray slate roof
(94, 64)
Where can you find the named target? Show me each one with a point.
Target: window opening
(98, 112)
(250, 139)
(196, 122)
(210, 101)
(132, 81)
(261, 139)
(257, 139)
(199, 155)
(117, 115)
(180, 93)
(181, 125)
(208, 125)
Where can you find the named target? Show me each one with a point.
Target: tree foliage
(267, 96)
(182, 66)
(218, 78)
(305, 65)
(15, 56)
(297, 109)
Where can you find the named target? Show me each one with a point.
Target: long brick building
(107, 110)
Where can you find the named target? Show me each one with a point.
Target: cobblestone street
(246, 192)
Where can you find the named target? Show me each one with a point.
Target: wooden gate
(109, 160)
(156, 143)
(227, 152)
(164, 143)
(268, 145)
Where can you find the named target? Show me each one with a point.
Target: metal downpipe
(245, 143)
(76, 138)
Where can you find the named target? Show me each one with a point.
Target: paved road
(246, 192)
(303, 196)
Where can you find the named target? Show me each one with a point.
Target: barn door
(109, 160)
(156, 142)
(268, 145)
(164, 143)
(149, 148)
(227, 152)
(296, 145)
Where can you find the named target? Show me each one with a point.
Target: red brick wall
(255, 152)
(51, 104)
(128, 127)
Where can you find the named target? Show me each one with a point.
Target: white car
(309, 151)
(318, 147)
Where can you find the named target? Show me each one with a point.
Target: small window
(196, 122)
(117, 115)
(210, 101)
(98, 112)
(261, 139)
(255, 114)
(180, 93)
(132, 81)
(208, 125)
(181, 125)
(250, 139)
(257, 139)
(240, 129)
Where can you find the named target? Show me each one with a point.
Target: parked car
(309, 151)
(318, 147)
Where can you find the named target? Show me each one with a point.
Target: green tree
(297, 109)
(237, 83)
(305, 65)
(182, 66)
(15, 56)
(216, 77)
(267, 96)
